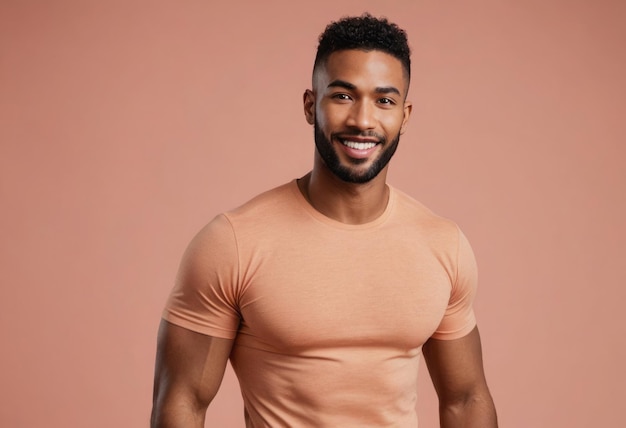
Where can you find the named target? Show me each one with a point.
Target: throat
(347, 203)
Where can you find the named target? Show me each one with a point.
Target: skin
(189, 370)
(356, 95)
(456, 369)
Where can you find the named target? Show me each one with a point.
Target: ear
(308, 100)
(408, 107)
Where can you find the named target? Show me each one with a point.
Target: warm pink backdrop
(125, 126)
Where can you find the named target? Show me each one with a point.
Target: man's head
(358, 102)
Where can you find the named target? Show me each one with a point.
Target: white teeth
(358, 146)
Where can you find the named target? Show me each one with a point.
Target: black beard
(330, 158)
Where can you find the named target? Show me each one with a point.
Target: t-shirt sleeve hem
(198, 328)
(456, 334)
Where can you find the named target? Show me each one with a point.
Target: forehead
(362, 69)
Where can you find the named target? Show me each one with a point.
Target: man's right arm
(188, 372)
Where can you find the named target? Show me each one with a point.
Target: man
(324, 292)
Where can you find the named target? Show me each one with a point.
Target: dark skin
(370, 97)
(456, 369)
(189, 369)
(363, 103)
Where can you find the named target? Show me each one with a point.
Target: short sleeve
(204, 297)
(459, 319)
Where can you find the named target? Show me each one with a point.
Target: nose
(362, 116)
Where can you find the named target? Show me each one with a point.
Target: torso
(333, 317)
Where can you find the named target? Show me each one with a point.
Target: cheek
(332, 116)
(393, 124)
(324, 119)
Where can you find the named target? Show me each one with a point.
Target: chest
(356, 292)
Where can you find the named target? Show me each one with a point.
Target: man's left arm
(456, 368)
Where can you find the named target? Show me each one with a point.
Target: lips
(358, 148)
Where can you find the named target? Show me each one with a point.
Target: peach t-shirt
(328, 319)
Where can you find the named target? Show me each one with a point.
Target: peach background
(125, 126)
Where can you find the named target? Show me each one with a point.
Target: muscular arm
(189, 370)
(456, 368)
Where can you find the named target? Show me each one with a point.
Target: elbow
(473, 409)
(169, 411)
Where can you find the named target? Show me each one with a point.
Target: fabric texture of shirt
(328, 318)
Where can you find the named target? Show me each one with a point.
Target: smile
(358, 145)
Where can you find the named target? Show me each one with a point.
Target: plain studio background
(126, 126)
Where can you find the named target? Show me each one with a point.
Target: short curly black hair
(366, 33)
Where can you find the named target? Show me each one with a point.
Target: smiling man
(324, 293)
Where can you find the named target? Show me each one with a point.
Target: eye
(341, 97)
(386, 101)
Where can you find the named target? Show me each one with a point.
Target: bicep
(189, 368)
(455, 366)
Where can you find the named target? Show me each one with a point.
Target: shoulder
(411, 212)
(222, 228)
(443, 237)
(270, 202)
(262, 216)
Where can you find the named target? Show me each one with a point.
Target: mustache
(365, 134)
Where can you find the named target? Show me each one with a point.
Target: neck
(349, 203)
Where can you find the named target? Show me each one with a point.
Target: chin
(348, 173)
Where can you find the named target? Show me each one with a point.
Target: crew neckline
(302, 201)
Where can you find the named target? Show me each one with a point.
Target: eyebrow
(347, 85)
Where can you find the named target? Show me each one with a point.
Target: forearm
(473, 412)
